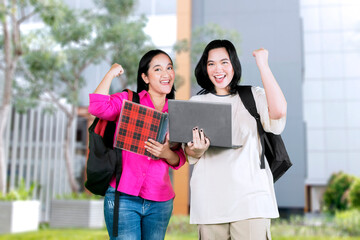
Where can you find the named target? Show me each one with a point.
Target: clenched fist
(261, 57)
(116, 70)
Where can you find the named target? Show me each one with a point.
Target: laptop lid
(213, 118)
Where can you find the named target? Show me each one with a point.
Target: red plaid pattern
(137, 123)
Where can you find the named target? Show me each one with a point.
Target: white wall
(331, 87)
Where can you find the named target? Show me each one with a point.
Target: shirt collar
(145, 96)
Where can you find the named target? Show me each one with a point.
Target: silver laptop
(213, 118)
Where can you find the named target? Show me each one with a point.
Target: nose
(165, 73)
(218, 67)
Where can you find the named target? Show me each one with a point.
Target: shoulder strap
(248, 100)
(133, 96)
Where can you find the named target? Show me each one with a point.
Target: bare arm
(104, 86)
(275, 98)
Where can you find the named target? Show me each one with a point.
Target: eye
(157, 69)
(170, 68)
(225, 62)
(210, 64)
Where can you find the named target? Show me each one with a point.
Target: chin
(167, 89)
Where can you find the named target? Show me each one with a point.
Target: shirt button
(144, 174)
(148, 158)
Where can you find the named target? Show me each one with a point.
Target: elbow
(278, 113)
(93, 110)
(282, 113)
(90, 110)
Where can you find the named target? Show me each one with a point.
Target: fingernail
(193, 129)
(192, 142)
(196, 128)
(201, 130)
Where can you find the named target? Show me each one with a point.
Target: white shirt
(227, 184)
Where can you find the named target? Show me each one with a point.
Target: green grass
(85, 234)
(180, 229)
(57, 234)
(80, 234)
(315, 238)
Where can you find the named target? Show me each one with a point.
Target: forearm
(172, 158)
(104, 86)
(275, 98)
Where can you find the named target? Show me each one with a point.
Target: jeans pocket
(110, 190)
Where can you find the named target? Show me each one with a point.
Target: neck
(158, 100)
(222, 91)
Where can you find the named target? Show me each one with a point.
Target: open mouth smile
(165, 82)
(219, 78)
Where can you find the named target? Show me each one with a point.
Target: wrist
(198, 154)
(110, 75)
(173, 159)
(263, 66)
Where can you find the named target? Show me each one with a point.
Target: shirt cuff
(192, 160)
(182, 159)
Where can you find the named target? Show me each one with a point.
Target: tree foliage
(337, 190)
(123, 37)
(56, 56)
(354, 194)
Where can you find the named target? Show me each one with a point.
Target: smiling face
(160, 75)
(220, 70)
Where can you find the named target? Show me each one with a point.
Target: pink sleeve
(105, 106)
(181, 154)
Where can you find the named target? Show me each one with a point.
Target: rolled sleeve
(182, 157)
(275, 126)
(106, 107)
(192, 160)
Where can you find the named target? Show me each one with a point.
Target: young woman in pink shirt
(146, 193)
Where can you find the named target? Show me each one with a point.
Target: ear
(145, 78)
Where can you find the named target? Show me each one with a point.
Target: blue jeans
(139, 219)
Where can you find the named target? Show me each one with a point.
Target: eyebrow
(224, 59)
(158, 65)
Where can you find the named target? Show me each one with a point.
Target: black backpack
(104, 161)
(272, 145)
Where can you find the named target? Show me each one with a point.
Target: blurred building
(331, 99)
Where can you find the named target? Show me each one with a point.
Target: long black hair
(144, 65)
(201, 73)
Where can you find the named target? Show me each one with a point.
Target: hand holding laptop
(200, 142)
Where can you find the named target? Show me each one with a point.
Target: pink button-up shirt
(141, 176)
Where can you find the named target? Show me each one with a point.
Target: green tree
(13, 14)
(124, 39)
(58, 55)
(336, 193)
(354, 194)
(201, 36)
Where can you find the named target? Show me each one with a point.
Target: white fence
(34, 152)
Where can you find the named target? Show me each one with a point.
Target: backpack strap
(134, 97)
(100, 126)
(248, 100)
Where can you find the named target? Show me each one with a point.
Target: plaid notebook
(138, 123)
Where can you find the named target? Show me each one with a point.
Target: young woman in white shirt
(231, 197)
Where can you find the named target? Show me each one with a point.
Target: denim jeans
(139, 219)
